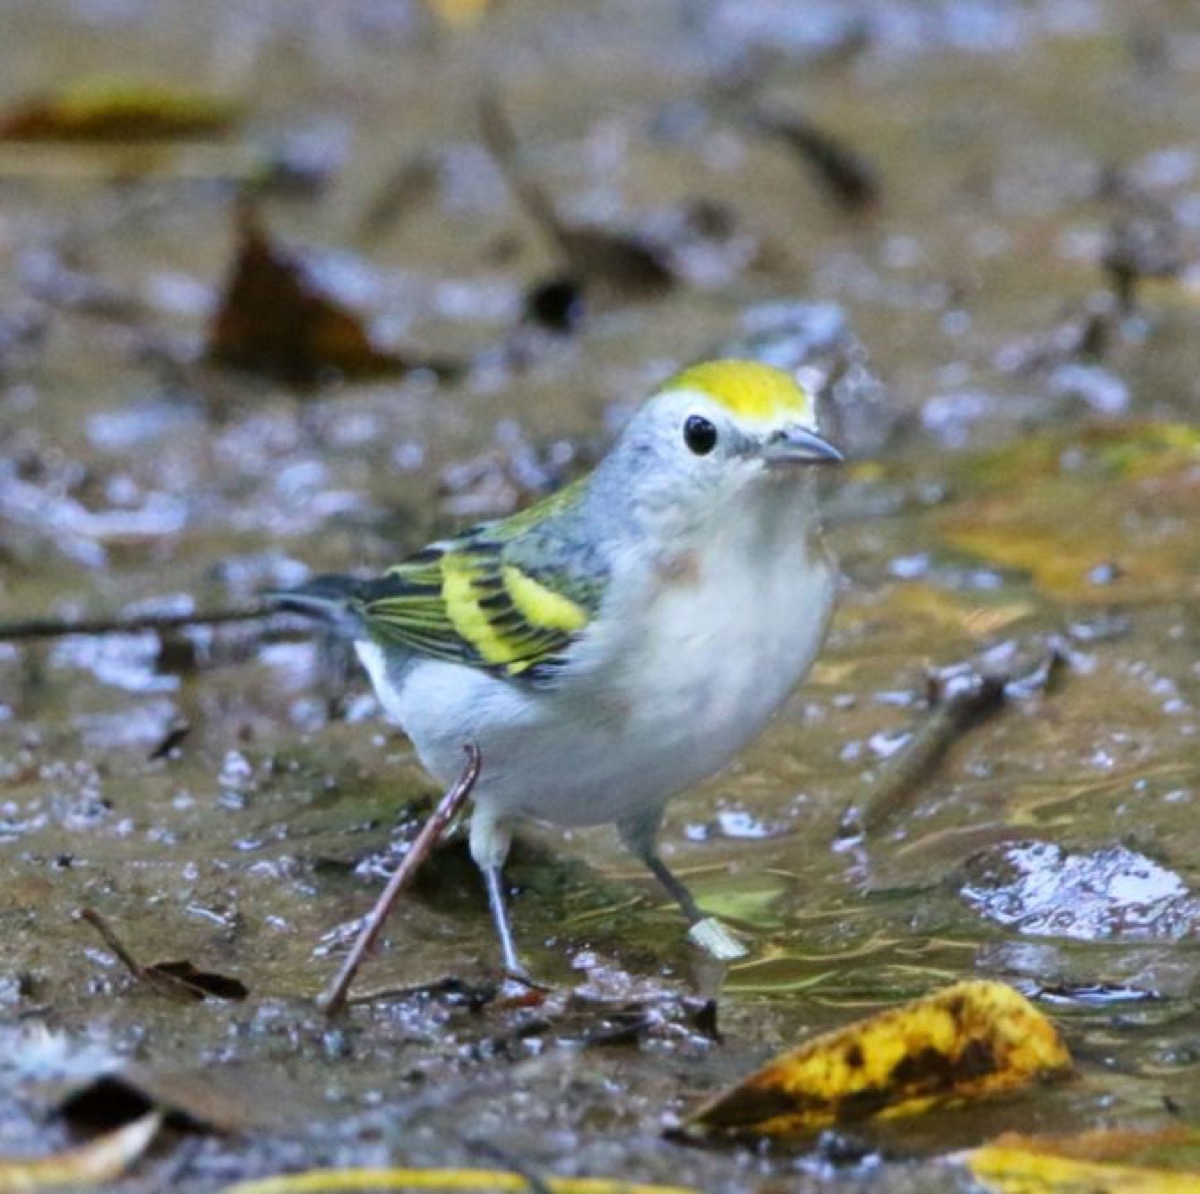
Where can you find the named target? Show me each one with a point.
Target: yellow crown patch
(748, 389)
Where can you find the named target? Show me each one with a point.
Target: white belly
(652, 705)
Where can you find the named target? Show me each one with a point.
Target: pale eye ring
(699, 434)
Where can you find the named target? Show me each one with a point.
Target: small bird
(623, 638)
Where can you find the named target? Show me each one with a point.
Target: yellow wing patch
(748, 389)
(469, 619)
(540, 606)
(513, 624)
(473, 600)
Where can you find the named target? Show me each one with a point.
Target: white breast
(736, 625)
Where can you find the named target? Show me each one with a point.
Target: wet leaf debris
(118, 110)
(275, 318)
(94, 1164)
(966, 1042)
(177, 980)
(604, 265)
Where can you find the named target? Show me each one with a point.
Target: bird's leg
(675, 888)
(640, 835)
(493, 877)
(490, 840)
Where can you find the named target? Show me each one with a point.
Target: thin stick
(501, 142)
(951, 719)
(133, 624)
(110, 938)
(158, 980)
(333, 998)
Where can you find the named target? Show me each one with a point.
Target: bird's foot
(515, 971)
(715, 939)
(520, 985)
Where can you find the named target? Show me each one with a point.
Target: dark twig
(952, 718)
(618, 265)
(170, 741)
(180, 981)
(333, 998)
(452, 989)
(109, 937)
(35, 628)
(501, 142)
(409, 183)
(843, 172)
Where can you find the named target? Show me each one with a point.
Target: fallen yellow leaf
(328, 1181)
(1100, 515)
(1017, 1171)
(119, 110)
(1056, 561)
(967, 1041)
(975, 615)
(1102, 450)
(460, 14)
(99, 1161)
(1101, 1144)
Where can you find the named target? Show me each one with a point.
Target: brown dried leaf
(204, 983)
(965, 1042)
(180, 980)
(274, 319)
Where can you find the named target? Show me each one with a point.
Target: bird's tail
(334, 599)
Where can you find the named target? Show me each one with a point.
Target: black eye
(699, 434)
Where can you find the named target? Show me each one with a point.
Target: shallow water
(1026, 473)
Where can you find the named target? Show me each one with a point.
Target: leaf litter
(119, 110)
(275, 318)
(609, 266)
(96, 1163)
(177, 980)
(965, 1042)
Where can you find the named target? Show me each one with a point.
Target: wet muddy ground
(1005, 336)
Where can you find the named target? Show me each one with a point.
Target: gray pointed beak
(798, 445)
